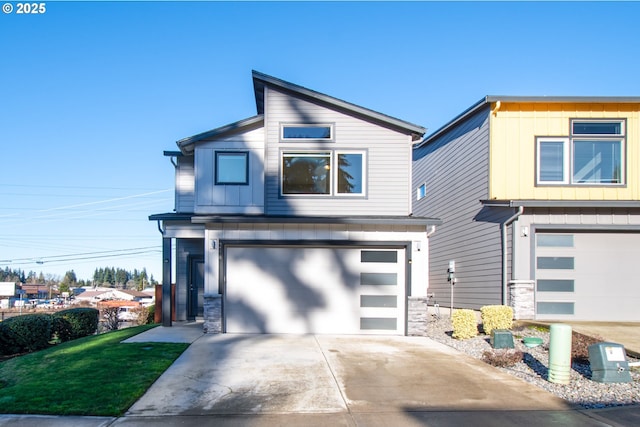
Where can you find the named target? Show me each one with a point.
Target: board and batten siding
(388, 165)
(455, 168)
(230, 199)
(185, 185)
(514, 129)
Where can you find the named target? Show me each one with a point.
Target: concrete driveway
(343, 381)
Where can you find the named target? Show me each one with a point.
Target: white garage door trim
(365, 295)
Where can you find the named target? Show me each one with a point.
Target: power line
(52, 257)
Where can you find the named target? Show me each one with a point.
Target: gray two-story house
(298, 220)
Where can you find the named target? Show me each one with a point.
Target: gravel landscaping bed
(533, 368)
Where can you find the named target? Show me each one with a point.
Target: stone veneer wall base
(212, 314)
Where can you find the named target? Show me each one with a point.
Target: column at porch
(212, 285)
(522, 299)
(166, 281)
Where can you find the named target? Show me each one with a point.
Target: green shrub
(496, 317)
(141, 315)
(61, 328)
(26, 333)
(151, 317)
(83, 321)
(464, 324)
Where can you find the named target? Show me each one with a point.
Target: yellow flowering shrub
(496, 317)
(464, 324)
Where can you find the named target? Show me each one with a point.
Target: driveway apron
(278, 374)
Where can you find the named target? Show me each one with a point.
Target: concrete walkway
(275, 380)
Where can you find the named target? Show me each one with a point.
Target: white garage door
(323, 290)
(588, 276)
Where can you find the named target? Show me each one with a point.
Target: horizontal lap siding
(455, 168)
(388, 161)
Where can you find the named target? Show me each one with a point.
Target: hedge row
(33, 332)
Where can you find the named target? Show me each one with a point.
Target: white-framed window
(232, 167)
(421, 191)
(553, 160)
(592, 155)
(330, 173)
(306, 132)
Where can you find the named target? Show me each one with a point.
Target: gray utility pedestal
(501, 338)
(609, 363)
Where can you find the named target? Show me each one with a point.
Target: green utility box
(609, 363)
(501, 338)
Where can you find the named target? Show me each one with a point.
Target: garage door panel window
(379, 323)
(555, 308)
(379, 279)
(555, 263)
(555, 285)
(555, 240)
(379, 301)
(331, 173)
(379, 256)
(592, 155)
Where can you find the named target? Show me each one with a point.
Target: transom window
(307, 131)
(334, 173)
(592, 155)
(232, 167)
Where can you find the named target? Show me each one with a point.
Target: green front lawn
(95, 375)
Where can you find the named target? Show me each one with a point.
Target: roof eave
(186, 145)
(260, 80)
(489, 99)
(563, 203)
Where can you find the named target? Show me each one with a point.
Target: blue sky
(93, 92)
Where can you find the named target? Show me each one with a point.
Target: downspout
(504, 252)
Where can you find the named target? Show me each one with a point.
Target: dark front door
(196, 287)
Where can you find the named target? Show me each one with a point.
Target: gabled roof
(489, 99)
(261, 80)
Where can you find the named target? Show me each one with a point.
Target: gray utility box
(609, 363)
(501, 338)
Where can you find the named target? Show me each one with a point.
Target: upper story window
(331, 173)
(292, 132)
(592, 155)
(232, 167)
(421, 192)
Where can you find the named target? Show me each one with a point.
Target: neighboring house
(104, 294)
(540, 200)
(298, 220)
(127, 310)
(8, 289)
(38, 291)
